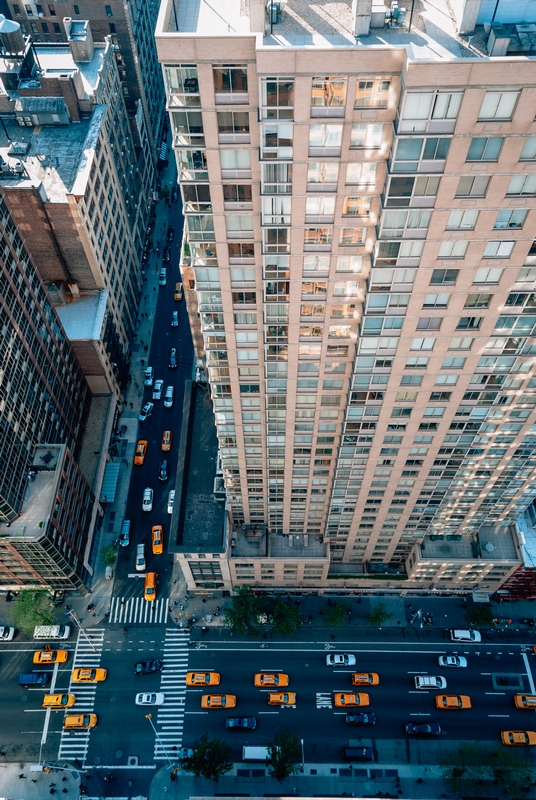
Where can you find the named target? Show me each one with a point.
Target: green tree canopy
(108, 555)
(334, 614)
(286, 618)
(32, 607)
(479, 615)
(378, 614)
(210, 759)
(283, 752)
(474, 769)
(242, 617)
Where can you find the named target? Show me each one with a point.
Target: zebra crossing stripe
(170, 716)
(134, 610)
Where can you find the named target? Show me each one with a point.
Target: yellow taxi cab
(271, 679)
(149, 590)
(157, 539)
(282, 698)
(218, 701)
(365, 679)
(525, 701)
(177, 294)
(448, 701)
(141, 451)
(89, 675)
(166, 440)
(73, 722)
(518, 738)
(50, 656)
(58, 700)
(348, 699)
(202, 678)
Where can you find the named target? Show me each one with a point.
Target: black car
(361, 719)
(250, 723)
(170, 233)
(166, 256)
(423, 729)
(175, 194)
(145, 667)
(164, 470)
(172, 358)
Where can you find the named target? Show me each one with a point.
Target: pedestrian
(64, 791)
(64, 779)
(141, 341)
(33, 780)
(409, 605)
(51, 784)
(132, 405)
(125, 630)
(23, 776)
(52, 791)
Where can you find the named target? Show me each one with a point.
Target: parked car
(171, 501)
(172, 358)
(468, 636)
(162, 276)
(148, 376)
(164, 470)
(177, 294)
(157, 391)
(175, 319)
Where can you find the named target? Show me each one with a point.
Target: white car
(157, 390)
(7, 634)
(340, 660)
(150, 699)
(169, 396)
(171, 501)
(148, 376)
(146, 412)
(452, 661)
(466, 636)
(147, 504)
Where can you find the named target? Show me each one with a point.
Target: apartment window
(323, 173)
(356, 206)
(316, 264)
(276, 140)
(76, 10)
(327, 138)
(403, 397)
(447, 380)
(239, 226)
(362, 173)
(352, 236)
(488, 275)
(498, 105)
(241, 251)
(436, 301)
(389, 253)
(403, 191)
(469, 186)
(395, 223)
(230, 80)
(469, 323)
(529, 149)
(328, 93)
(372, 94)
(424, 110)
(410, 152)
(477, 301)
(57, 28)
(455, 248)
(498, 249)
(433, 412)
(108, 10)
(349, 264)
(444, 276)
(182, 85)
(16, 10)
(320, 206)
(379, 303)
(411, 380)
(188, 128)
(197, 197)
(318, 237)
(364, 135)
(461, 343)
(429, 323)
(276, 210)
(511, 219)
(29, 10)
(235, 193)
(233, 124)
(277, 178)
(462, 220)
(276, 240)
(277, 97)
(453, 363)
(387, 278)
(52, 11)
(44, 28)
(416, 363)
(311, 310)
(485, 149)
(522, 185)
(422, 344)
(200, 228)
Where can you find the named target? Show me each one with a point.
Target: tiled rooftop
(495, 544)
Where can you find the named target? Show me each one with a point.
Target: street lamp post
(160, 742)
(72, 615)
(302, 756)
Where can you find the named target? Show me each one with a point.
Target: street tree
(286, 618)
(479, 615)
(334, 614)
(466, 769)
(513, 771)
(210, 759)
(378, 614)
(243, 615)
(32, 607)
(283, 754)
(109, 555)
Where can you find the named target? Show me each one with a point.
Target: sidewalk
(36, 785)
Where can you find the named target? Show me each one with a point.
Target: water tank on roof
(11, 38)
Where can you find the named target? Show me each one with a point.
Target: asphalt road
(395, 700)
(147, 475)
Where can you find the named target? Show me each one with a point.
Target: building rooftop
(59, 62)
(492, 544)
(324, 24)
(40, 492)
(83, 318)
(262, 544)
(198, 521)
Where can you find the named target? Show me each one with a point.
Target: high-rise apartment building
(360, 265)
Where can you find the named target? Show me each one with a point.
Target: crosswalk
(132, 610)
(170, 718)
(74, 744)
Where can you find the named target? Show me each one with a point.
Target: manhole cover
(118, 753)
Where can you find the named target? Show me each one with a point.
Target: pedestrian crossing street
(88, 653)
(169, 720)
(132, 610)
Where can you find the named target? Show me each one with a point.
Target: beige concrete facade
(361, 217)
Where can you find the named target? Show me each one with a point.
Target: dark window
(57, 28)
(108, 10)
(444, 276)
(52, 11)
(112, 27)
(16, 10)
(233, 122)
(76, 10)
(44, 26)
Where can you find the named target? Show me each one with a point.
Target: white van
(51, 632)
(254, 753)
(430, 682)
(168, 397)
(141, 566)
